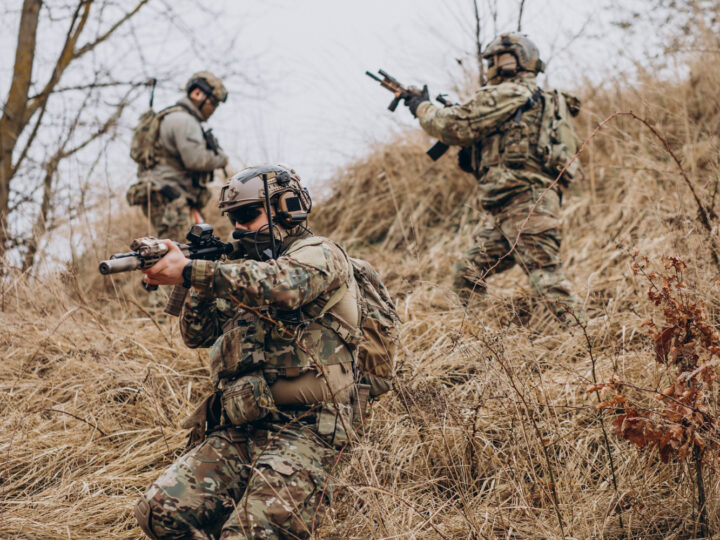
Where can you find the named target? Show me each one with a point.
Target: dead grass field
(490, 415)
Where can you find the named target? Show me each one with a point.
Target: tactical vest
(514, 143)
(251, 343)
(539, 137)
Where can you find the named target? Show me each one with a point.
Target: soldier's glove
(415, 97)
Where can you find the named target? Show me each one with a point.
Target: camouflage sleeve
(186, 135)
(463, 124)
(287, 283)
(201, 323)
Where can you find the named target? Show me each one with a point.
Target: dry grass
(490, 414)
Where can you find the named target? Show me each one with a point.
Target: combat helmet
(262, 184)
(525, 52)
(273, 187)
(209, 84)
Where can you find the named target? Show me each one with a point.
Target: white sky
(298, 90)
(314, 107)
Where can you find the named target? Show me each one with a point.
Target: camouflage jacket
(244, 340)
(506, 152)
(186, 163)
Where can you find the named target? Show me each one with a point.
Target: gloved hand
(415, 98)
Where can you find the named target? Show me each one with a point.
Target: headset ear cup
(291, 208)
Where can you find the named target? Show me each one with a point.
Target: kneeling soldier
(279, 322)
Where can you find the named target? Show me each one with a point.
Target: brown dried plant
(688, 347)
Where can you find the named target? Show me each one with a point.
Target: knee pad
(142, 515)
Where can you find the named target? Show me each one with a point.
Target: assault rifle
(401, 92)
(148, 250)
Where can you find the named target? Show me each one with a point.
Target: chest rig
(288, 343)
(514, 143)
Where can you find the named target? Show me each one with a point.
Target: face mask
(257, 244)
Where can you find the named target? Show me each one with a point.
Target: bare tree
(78, 65)
(25, 114)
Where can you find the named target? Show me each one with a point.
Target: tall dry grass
(489, 432)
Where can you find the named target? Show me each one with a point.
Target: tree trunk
(40, 222)
(13, 119)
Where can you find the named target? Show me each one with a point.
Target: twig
(74, 416)
(606, 440)
(536, 428)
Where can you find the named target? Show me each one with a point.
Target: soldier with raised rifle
(519, 141)
(281, 323)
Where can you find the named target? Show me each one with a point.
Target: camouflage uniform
(267, 478)
(168, 192)
(510, 186)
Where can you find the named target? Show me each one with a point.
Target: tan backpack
(557, 142)
(143, 146)
(376, 337)
(379, 322)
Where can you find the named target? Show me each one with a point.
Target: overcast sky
(304, 99)
(295, 69)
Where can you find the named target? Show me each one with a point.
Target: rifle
(148, 250)
(211, 143)
(401, 92)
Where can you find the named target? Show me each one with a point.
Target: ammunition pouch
(334, 423)
(138, 193)
(516, 145)
(246, 400)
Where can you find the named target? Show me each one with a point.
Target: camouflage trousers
(170, 217)
(259, 483)
(537, 250)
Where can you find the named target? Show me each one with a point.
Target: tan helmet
(208, 83)
(525, 52)
(247, 188)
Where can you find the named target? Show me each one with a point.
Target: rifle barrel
(122, 264)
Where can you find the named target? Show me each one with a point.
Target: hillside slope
(489, 433)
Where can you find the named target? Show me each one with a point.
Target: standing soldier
(516, 138)
(176, 158)
(278, 322)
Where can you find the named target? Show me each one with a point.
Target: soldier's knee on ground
(283, 500)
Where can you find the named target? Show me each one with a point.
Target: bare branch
(478, 44)
(66, 56)
(520, 14)
(91, 45)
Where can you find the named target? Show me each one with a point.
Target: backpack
(376, 336)
(379, 323)
(143, 146)
(557, 141)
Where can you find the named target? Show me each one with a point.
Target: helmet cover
(524, 50)
(208, 83)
